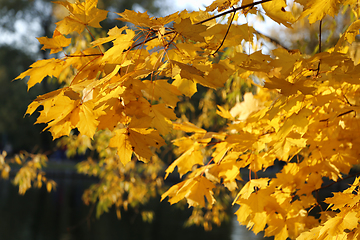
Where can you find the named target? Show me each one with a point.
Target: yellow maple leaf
(221, 5)
(124, 148)
(164, 90)
(338, 224)
(187, 29)
(201, 189)
(275, 9)
(161, 116)
(144, 20)
(250, 186)
(122, 42)
(88, 122)
(349, 35)
(42, 68)
(55, 44)
(185, 86)
(137, 140)
(141, 139)
(318, 9)
(224, 113)
(194, 190)
(81, 14)
(113, 33)
(187, 160)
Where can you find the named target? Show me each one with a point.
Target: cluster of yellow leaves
(132, 89)
(30, 172)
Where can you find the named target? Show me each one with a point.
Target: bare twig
(318, 69)
(227, 31)
(232, 10)
(340, 180)
(340, 115)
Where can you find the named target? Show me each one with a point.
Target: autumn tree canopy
(129, 83)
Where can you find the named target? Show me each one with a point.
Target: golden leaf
(81, 14)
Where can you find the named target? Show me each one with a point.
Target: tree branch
(232, 11)
(318, 69)
(227, 31)
(342, 179)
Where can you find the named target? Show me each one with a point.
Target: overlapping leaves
(305, 114)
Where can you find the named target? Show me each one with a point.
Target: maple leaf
(137, 140)
(124, 148)
(186, 161)
(224, 113)
(56, 43)
(81, 14)
(349, 35)
(338, 224)
(121, 42)
(318, 9)
(87, 123)
(42, 68)
(161, 116)
(189, 30)
(185, 86)
(275, 9)
(164, 90)
(221, 5)
(194, 190)
(144, 20)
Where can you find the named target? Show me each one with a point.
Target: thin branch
(204, 21)
(227, 32)
(342, 179)
(318, 69)
(340, 115)
(201, 22)
(232, 10)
